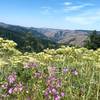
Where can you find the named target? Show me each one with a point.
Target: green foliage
(67, 73)
(93, 41)
(27, 41)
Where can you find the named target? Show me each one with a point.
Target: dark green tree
(93, 41)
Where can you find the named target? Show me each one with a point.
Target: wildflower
(53, 87)
(15, 89)
(57, 97)
(46, 93)
(10, 91)
(62, 94)
(65, 70)
(12, 78)
(38, 74)
(54, 91)
(59, 83)
(30, 65)
(49, 90)
(75, 72)
(18, 88)
(4, 86)
(27, 91)
(52, 70)
(51, 80)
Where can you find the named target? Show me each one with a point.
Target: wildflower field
(67, 73)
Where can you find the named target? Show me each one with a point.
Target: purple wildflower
(75, 72)
(10, 91)
(59, 83)
(38, 74)
(53, 86)
(52, 78)
(54, 91)
(65, 70)
(49, 90)
(12, 78)
(62, 94)
(46, 93)
(30, 65)
(57, 97)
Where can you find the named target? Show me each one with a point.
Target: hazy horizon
(57, 14)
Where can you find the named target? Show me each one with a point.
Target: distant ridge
(57, 36)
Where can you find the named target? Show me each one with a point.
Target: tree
(93, 41)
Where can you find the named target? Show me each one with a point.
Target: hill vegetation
(27, 41)
(37, 39)
(67, 73)
(93, 41)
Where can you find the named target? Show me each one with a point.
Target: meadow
(67, 73)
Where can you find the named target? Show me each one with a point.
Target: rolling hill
(28, 40)
(37, 39)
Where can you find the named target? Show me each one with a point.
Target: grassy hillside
(67, 73)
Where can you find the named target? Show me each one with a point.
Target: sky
(59, 14)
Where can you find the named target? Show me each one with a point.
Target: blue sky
(66, 14)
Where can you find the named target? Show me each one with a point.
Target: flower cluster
(11, 86)
(15, 89)
(53, 89)
(72, 71)
(37, 74)
(12, 77)
(30, 65)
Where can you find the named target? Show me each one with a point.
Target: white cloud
(68, 7)
(89, 17)
(67, 3)
(76, 7)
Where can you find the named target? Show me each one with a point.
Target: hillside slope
(43, 37)
(27, 40)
